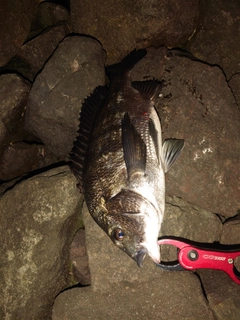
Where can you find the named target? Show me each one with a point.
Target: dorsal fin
(89, 111)
(149, 89)
(134, 148)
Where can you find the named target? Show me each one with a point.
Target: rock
(222, 293)
(217, 38)
(32, 56)
(234, 84)
(20, 157)
(198, 106)
(231, 231)
(121, 26)
(14, 92)
(78, 255)
(119, 287)
(47, 14)
(71, 74)
(15, 23)
(151, 66)
(188, 221)
(38, 221)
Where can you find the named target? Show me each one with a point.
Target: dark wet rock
(198, 106)
(19, 158)
(217, 37)
(32, 56)
(234, 84)
(121, 26)
(223, 294)
(38, 220)
(119, 287)
(71, 74)
(47, 14)
(15, 23)
(79, 258)
(14, 92)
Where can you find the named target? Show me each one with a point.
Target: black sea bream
(120, 161)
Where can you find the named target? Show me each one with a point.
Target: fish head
(136, 235)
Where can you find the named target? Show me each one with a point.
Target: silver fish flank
(120, 161)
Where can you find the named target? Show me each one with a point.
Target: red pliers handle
(193, 255)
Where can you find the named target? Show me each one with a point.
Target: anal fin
(134, 148)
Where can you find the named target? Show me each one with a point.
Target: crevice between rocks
(10, 184)
(205, 295)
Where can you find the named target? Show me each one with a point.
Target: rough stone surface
(14, 92)
(71, 74)
(217, 40)
(222, 293)
(37, 222)
(119, 287)
(121, 26)
(231, 231)
(186, 220)
(15, 23)
(234, 84)
(47, 14)
(32, 56)
(78, 255)
(19, 158)
(151, 66)
(198, 106)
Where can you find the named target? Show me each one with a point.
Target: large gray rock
(74, 70)
(217, 39)
(119, 287)
(38, 219)
(14, 92)
(123, 25)
(198, 106)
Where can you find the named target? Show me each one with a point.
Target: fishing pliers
(195, 255)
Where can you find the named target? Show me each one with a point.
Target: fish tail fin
(128, 63)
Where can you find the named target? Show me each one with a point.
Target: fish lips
(140, 256)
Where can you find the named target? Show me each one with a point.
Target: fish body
(120, 161)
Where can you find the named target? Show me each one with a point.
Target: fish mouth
(140, 256)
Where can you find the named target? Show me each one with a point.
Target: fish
(120, 161)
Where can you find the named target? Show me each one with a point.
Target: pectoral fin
(171, 151)
(134, 148)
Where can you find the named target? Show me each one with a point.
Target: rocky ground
(56, 263)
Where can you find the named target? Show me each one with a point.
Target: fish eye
(119, 234)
